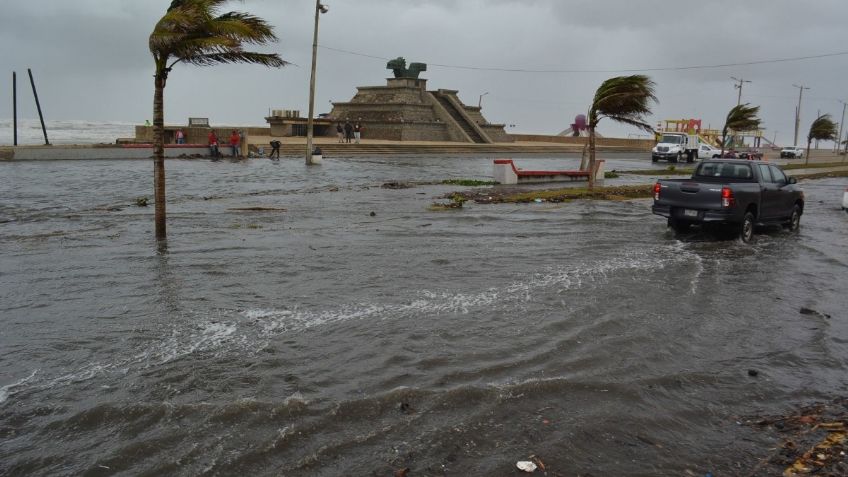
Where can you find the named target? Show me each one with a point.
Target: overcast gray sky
(90, 57)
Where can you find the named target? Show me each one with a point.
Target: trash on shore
(526, 466)
(814, 440)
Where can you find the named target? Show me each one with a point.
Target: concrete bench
(505, 172)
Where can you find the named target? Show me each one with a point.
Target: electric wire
(625, 70)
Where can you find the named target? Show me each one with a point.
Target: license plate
(690, 213)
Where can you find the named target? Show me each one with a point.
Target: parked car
(736, 193)
(730, 154)
(792, 152)
(705, 151)
(845, 200)
(751, 154)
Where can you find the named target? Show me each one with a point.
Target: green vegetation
(468, 182)
(820, 165)
(670, 171)
(611, 175)
(557, 195)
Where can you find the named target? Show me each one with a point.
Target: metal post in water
(15, 108)
(38, 105)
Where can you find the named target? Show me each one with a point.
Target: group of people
(236, 140)
(349, 132)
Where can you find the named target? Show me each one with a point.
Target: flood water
(324, 340)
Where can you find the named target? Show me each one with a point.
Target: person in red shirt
(234, 142)
(213, 144)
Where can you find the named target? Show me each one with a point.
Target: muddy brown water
(320, 340)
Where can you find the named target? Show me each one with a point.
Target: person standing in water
(234, 142)
(213, 144)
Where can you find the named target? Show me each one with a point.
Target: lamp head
(323, 8)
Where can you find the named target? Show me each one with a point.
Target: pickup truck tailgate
(690, 194)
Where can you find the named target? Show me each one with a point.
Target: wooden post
(38, 105)
(15, 108)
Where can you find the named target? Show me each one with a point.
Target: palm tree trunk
(159, 157)
(723, 142)
(591, 157)
(807, 156)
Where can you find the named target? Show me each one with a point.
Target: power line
(627, 70)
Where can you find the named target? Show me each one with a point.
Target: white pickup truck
(673, 147)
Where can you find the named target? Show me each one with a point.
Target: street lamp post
(319, 9)
(480, 99)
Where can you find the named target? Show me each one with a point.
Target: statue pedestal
(407, 83)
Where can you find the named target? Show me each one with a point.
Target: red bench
(507, 173)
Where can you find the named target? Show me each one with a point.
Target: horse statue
(398, 66)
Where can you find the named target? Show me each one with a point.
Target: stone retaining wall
(636, 144)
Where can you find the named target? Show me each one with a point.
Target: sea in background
(65, 132)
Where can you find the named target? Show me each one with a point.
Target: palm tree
(742, 117)
(625, 99)
(823, 129)
(193, 32)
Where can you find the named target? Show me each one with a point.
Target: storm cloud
(91, 61)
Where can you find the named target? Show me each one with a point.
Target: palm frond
(271, 60)
(637, 122)
(742, 117)
(192, 32)
(625, 99)
(823, 129)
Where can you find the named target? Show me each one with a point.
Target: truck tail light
(727, 199)
(657, 191)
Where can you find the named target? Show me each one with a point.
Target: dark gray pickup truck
(739, 193)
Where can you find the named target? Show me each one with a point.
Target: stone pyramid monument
(404, 110)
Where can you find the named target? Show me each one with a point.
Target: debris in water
(402, 472)
(397, 185)
(141, 202)
(809, 311)
(526, 466)
(753, 372)
(373, 214)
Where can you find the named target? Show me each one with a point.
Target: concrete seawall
(98, 151)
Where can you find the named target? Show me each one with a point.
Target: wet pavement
(325, 340)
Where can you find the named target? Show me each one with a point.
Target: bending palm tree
(192, 32)
(823, 128)
(625, 99)
(742, 117)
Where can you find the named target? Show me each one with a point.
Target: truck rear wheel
(746, 228)
(794, 219)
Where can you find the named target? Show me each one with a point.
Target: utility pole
(839, 137)
(739, 87)
(801, 89)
